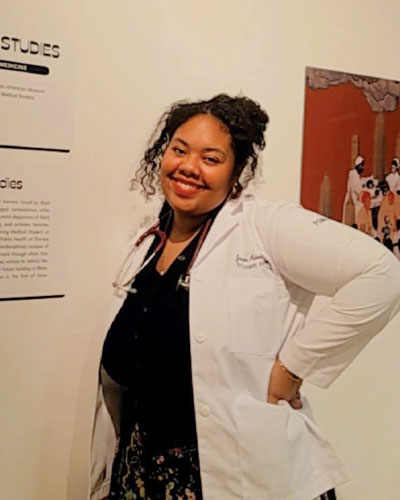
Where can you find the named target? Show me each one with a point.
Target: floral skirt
(171, 475)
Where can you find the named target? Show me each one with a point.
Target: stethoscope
(124, 278)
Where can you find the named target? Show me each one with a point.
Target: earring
(236, 186)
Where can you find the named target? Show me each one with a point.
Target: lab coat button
(205, 410)
(200, 337)
(197, 278)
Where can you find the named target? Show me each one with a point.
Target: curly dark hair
(244, 119)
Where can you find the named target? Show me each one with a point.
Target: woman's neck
(184, 227)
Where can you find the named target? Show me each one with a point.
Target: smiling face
(197, 166)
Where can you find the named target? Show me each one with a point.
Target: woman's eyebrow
(210, 149)
(218, 150)
(180, 140)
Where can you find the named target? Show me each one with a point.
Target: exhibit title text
(30, 47)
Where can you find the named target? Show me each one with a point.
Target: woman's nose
(190, 166)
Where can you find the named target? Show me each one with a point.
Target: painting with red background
(351, 152)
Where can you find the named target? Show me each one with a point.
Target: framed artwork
(351, 152)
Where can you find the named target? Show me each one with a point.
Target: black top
(147, 349)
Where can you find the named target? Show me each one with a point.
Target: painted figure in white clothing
(393, 178)
(354, 186)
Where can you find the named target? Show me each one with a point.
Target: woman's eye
(179, 151)
(211, 159)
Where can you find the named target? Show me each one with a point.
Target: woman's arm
(328, 258)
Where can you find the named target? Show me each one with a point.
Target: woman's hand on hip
(281, 386)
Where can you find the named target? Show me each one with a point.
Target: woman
(203, 362)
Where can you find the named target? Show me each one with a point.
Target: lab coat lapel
(226, 220)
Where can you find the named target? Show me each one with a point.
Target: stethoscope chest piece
(184, 281)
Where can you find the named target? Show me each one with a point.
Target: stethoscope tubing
(125, 285)
(122, 283)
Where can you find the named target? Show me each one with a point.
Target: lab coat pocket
(253, 312)
(275, 452)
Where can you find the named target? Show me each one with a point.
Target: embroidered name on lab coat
(251, 261)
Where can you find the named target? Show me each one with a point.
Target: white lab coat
(251, 288)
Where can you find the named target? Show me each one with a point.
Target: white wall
(132, 59)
